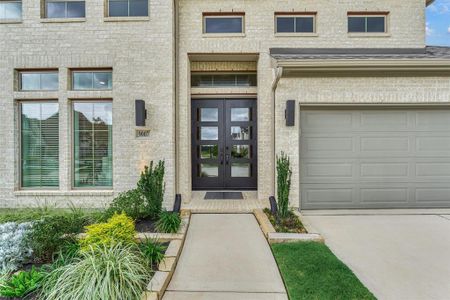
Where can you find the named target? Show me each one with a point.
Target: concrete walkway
(395, 256)
(226, 257)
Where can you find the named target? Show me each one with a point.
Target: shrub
(116, 272)
(153, 251)
(22, 283)
(14, 249)
(132, 203)
(118, 229)
(284, 174)
(151, 185)
(52, 232)
(168, 222)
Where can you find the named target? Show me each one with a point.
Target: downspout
(277, 73)
(175, 91)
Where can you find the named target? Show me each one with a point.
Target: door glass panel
(240, 114)
(240, 151)
(208, 170)
(209, 115)
(239, 133)
(209, 151)
(209, 133)
(240, 170)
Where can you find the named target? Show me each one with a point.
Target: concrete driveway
(397, 256)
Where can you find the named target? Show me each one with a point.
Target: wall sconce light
(141, 113)
(289, 113)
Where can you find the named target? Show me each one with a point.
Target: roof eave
(355, 65)
(428, 2)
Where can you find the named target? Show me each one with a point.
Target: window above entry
(303, 23)
(223, 23)
(368, 22)
(215, 80)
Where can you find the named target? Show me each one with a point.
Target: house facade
(350, 92)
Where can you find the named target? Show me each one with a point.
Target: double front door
(224, 144)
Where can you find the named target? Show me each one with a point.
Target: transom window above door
(65, 9)
(223, 23)
(366, 22)
(127, 8)
(10, 10)
(91, 80)
(295, 23)
(217, 80)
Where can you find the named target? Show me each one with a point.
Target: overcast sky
(438, 23)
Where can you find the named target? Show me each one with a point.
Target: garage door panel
(382, 120)
(384, 169)
(384, 195)
(390, 158)
(397, 143)
(327, 195)
(328, 144)
(319, 120)
(432, 120)
(432, 195)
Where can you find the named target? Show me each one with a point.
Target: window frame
(45, 10)
(222, 15)
(20, 146)
(108, 16)
(213, 74)
(36, 71)
(97, 70)
(366, 15)
(295, 15)
(72, 146)
(13, 20)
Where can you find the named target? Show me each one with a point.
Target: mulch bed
(146, 225)
(290, 224)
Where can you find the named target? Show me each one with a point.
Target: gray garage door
(375, 158)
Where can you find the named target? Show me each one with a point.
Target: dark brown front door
(224, 144)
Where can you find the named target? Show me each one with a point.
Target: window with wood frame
(223, 23)
(291, 22)
(367, 22)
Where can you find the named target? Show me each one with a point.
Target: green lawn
(311, 271)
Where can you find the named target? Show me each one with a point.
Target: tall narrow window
(218, 23)
(39, 145)
(10, 10)
(38, 81)
(64, 9)
(367, 23)
(128, 8)
(92, 144)
(295, 23)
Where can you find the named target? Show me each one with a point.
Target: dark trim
(295, 13)
(367, 13)
(218, 14)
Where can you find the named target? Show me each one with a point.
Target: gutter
(327, 65)
(278, 73)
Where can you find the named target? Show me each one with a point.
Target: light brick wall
(406, 31)
(349, 90)
(141, 55)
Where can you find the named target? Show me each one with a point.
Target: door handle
(227, 159)
(221, 158)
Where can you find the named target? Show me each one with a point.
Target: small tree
(152, 186)
(284, 174)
